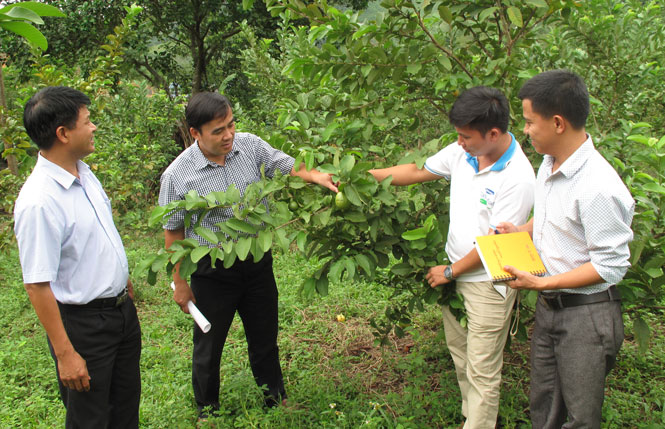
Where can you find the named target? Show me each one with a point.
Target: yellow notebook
(515, 249)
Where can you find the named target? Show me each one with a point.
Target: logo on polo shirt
(487, 197)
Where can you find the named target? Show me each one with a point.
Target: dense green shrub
(379, 86)
(134, 143)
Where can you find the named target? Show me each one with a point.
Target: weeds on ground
(335, 376)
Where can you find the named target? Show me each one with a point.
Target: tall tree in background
(190, 41)
(180, 46)
(74, 40)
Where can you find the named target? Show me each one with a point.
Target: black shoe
(271, 402)
(208, 412)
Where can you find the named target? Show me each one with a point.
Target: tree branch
(439, 46)
(479, 43)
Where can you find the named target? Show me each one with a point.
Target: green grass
(335, 376)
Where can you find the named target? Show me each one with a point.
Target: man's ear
(560, 124)
(494, 134)
(194, 133)
(62, 134)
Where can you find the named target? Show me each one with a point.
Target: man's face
(81, 137)
(540, 130)
(216, 137)
(473, 141)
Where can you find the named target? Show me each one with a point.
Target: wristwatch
(448, 272)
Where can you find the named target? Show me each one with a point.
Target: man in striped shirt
(219, 158)
(581, 228)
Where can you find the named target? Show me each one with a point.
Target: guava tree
(379, 87)
(349, 94)
(352, 92)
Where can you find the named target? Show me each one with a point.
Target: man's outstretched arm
(314, 176)
(405, 174)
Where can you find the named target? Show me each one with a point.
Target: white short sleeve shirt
(583, 213)
(479, 200)
(66, 235)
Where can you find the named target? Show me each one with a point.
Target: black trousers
(250, 289)
(109, 340)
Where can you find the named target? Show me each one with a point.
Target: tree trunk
(12, 164)
(197, 47)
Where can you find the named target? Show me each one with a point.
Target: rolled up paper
(199, 318)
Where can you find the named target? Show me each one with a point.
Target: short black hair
(50, 108)
(203, 107)
(558, 92)
(481, 108)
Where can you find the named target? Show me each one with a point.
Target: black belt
(559, 300)
(113, 302)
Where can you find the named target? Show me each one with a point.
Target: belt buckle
(121, 299)
(550, 301)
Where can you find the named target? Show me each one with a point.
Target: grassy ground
(335, 376)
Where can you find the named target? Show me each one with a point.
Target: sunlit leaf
(21, 13)
(206, 234)
(30, 33)
(265, 240)
(537, 3)
(198, 253)
(445, 14)
(515, 16)
(40, 9)
(241, 226)
(242, 247)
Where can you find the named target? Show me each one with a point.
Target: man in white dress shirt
(75, 268)
(581, 228)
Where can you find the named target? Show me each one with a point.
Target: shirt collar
(500, 163)
(59, 174)
(575, 161)
(200, 160)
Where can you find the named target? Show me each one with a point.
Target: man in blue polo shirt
(491, 180)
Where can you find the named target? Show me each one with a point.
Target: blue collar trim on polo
(500, 163)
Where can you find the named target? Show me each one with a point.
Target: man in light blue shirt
(75, 268)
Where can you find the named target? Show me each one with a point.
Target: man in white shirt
(581, 228)
(491, 180)
(75, 268)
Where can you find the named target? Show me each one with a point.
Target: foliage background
(325, 82)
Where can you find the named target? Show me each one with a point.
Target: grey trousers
(572, 351)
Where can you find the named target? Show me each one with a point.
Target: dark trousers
(572, 351)
(109, 340)
(250, 289)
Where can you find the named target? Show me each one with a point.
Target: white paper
(199, 318)
(501, 288)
